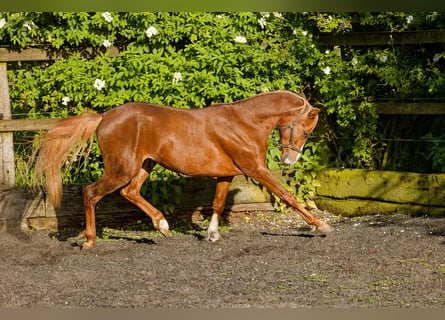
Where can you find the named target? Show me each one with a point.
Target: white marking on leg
(163, 224)
(212, 230)
(213, 226)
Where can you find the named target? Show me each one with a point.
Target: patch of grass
(289, 284)
(441, 269)
(317, 278)
(385, 283)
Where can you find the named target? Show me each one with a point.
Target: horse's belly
(196, 162)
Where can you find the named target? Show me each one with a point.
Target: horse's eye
(305, 134)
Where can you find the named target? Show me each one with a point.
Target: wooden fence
(8, 125)
(7, 169)
(382, 38)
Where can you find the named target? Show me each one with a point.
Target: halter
(291, 126)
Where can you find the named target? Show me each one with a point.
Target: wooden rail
(426, 108)
(328, 39)
(381, 38)
(37, 54)
(27, 125)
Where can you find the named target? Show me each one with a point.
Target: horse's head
(294, 133)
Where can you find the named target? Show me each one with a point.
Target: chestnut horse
(221, 141)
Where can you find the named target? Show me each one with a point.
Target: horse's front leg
(265, 177)
(219, 201)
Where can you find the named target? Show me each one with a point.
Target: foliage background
(191, 60)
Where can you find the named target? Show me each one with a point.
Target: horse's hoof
(163, 232)
(325, 228)
(163, 227)
(213, 237)
(88, 245)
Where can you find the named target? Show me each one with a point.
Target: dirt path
(368, 262)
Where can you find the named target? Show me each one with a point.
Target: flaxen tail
(70, 136)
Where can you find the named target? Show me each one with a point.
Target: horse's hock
(355, 192)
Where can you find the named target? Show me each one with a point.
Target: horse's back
(182, 140)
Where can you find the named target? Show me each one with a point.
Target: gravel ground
(262, 261)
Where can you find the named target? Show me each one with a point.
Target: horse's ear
(313, 113)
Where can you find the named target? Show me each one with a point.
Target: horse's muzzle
(290, 158)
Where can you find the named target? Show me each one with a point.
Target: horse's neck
(269, 110)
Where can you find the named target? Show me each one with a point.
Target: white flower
(327, 70)
(278, 15)
(354, 62)
(327, 52)
(28, 24)
(2, 23)
(107, 16)
(151, 31)
(265, 14)
(409, 19)
(240, 39)
(99, 84)
(262, 22)
(382, 57)
(304, 32)
(177, 77)
(436, 57)
(219, 16)
(106, 43)
(65, 100)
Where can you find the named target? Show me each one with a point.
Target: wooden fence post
(7, 171)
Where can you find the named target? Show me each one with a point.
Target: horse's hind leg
(132, 194)
(219, 201)
(91, 195)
